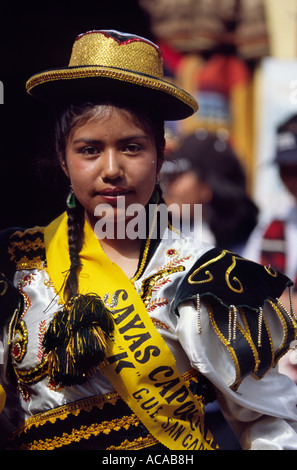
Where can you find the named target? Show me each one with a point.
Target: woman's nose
(111, 165)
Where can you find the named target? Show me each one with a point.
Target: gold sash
(140, 366)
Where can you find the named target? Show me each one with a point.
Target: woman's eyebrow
(98, 141)
(133, 137)
(86, 141)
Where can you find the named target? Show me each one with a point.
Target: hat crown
(107, 64)
(120, 50)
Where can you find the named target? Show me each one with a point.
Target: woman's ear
(63, 164)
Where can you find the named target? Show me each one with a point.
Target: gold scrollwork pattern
(239, 289)
(209, 277)
(270, 271)
(232, 282)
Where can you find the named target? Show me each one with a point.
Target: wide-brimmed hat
(108, 64)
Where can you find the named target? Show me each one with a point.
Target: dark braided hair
(75, 241)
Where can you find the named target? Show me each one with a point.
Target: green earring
(70, 201)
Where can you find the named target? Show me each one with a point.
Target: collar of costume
(138, 362)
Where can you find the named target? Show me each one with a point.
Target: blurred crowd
(204, 169)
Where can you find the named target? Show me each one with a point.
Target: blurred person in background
(274, 240)
(205, 170)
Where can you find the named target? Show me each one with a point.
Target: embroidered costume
(209, 308)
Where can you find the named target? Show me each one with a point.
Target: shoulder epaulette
(235, 291)
(26, 248)
(19, 249)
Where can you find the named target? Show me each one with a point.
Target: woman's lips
(113, 195)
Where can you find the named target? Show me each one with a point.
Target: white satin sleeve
(262, 412)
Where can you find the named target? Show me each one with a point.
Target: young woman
(118, 329)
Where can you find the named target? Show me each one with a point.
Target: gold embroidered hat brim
(91, 75)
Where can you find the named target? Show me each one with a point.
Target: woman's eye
(89, 151)
(132, 148)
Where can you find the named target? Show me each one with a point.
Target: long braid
(76, 338)
(75, 241)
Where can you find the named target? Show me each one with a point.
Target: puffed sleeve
(234, 330)
(262, 413)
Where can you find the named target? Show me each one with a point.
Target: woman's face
(110, 160)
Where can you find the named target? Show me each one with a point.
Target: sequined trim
(20, 340)
(24, 251)
(255, 352)
(33, 375)
(17, 340)
(84, 432)
(62, 412)
(250, 341)
(109, 424)
(25, 263)
(226, 343)
(108, 72)
(137, 444)
(157, 280)
(85, 404)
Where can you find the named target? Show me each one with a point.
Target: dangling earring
(70, 201)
